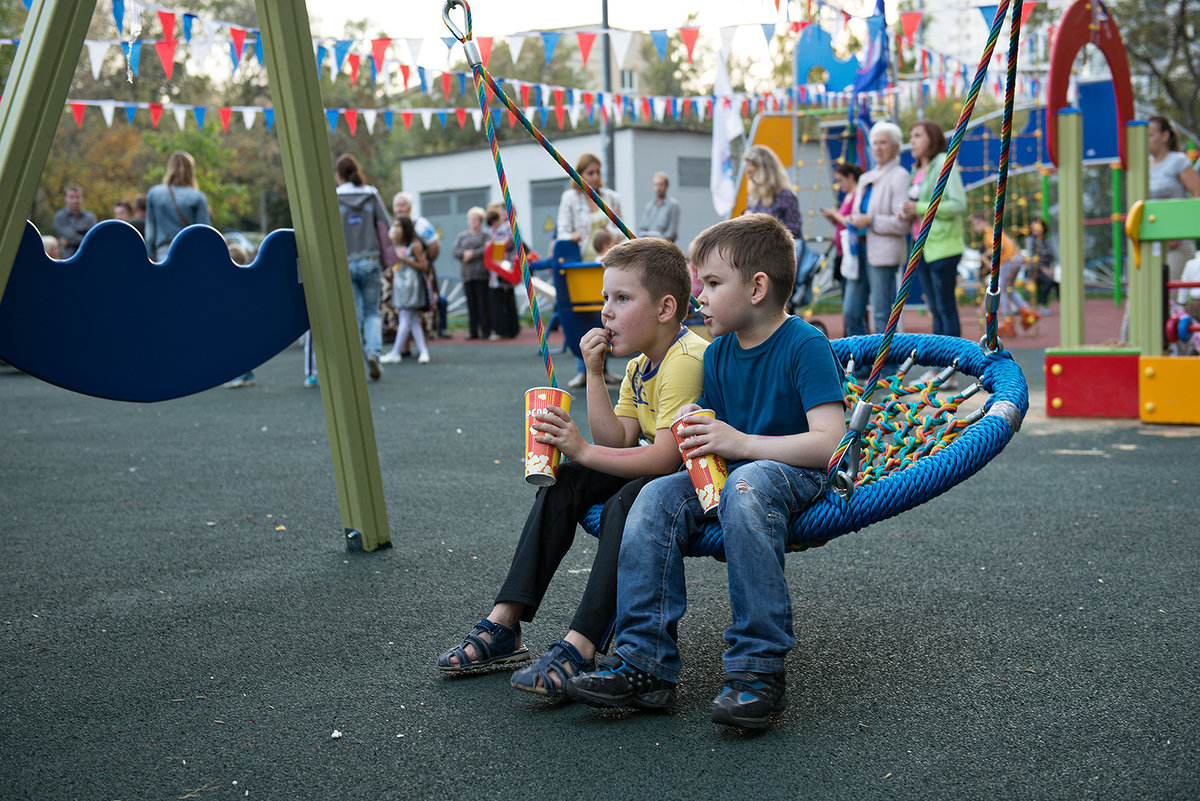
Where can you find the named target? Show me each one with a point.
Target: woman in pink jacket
(878, 233)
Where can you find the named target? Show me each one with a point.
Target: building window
(694, 172)
(628, 80)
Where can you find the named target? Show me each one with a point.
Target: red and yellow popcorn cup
(541, 459)
(708, 473)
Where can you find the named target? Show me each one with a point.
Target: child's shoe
(749, 699)
(1029, 319)
(618, 683)
(1007, 327)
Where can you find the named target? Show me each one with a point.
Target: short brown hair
(660, 267)
(937, 138)
(751, 244)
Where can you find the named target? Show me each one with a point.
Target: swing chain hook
(470, 49)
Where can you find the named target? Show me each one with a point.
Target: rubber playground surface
(179, 617)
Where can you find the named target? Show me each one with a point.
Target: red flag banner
(166, 54)
(689, 40)
(586, 40)
(77, 110)
(352, 120)
(379, 51)
(167, 18)
(911, 20)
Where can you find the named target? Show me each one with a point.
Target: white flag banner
(106, 108)
(180, 114)
(515, 43)
(426, 117)
(575, 112)
(620, 41)
(368, 117)
(727, 123)
(659, 104)
(700, 104)
(477, 118)
(96, 53)
(727, 34)
(248, 115)
(414, 49)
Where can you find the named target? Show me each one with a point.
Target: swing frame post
(31, 108)
(1070, 227)
(1145, 279)
(312, 197)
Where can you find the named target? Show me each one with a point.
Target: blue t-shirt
(767, 390)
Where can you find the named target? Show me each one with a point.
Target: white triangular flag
(368, 118)
(248, 115)
(96, 52)
(426, 117)
(701, 105)
(727, 34)
(180, 113)
(414, 49)
(574, 113)
(620, 45)
(106, 108)
(477, 118)
(515, 43)
(659, 104)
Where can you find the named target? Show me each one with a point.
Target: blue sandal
(561, 660)
(502, 650)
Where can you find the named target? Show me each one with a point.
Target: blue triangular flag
(769, 31)
(450, 41)
(133, 53)
(119, 14)
(570, 96)
(542, 112)
(497, 116)
(989, 14)
(442, 119)
(258, 47)
(341, 49)
(462, 83)
(331, 114)
(549, 42)
(269, 117)
(660, 42)
(371, 61)
(27, 3)
(198, 112)
(387, 119)
(421, 75)
(321, 52)
(188, 19)
(130, 110)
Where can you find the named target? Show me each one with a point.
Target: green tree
(1164, 54)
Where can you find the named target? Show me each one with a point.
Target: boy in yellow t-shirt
(646, 293)
(1011, 301)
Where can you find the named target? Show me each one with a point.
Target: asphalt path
(179, 617)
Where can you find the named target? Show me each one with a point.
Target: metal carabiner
(446, 9)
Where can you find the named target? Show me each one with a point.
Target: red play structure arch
(1080, 26)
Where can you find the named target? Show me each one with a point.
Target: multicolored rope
(992, 326)
(859, 419)
(482, 80)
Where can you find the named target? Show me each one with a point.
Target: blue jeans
(756, 506)
(879, 283)
(365, 277)
(938, 280)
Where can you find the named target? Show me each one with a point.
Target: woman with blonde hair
(768, 190)
(174, 204)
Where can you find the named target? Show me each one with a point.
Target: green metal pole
(31, 109)
(1070, 228)
(1118, 232)
(308, 167)
(1145, 282)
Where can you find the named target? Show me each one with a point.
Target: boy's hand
(704, 435)
(686, 409)
(556, 428)
(594, 347)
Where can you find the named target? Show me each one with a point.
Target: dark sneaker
(618, 683)
(749, 699)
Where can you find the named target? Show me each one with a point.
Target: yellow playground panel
(1169, 389)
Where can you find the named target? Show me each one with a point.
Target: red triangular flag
(558, 95)
(587, 100)
(485, 48)
(406, 116)
(689, 39)
(166, 54)
(155, 113)
(512, 120)
(226, 113)
(239, 41)
(1026, 10)
(354, 60)
(524, 94)
(167, 18)
(647, 109)
(911, 20)
(379, 50)
(461, 113)
(404, 72)
(77, 110)
(586, 40)
(352, 120)
(446, 85)
(558, 113)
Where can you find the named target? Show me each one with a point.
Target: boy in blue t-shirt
(775, 386)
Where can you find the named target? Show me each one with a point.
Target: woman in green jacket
(937, 268)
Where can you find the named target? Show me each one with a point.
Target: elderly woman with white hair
(877, 236)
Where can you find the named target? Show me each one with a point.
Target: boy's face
(629, 315)
(724, 296)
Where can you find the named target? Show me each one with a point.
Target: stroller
(809, 263)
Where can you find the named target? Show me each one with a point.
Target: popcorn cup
(708, 473)
(541, 459)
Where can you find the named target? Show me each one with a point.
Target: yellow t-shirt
(654, 394)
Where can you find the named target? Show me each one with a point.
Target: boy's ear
(760, 287)
(667, 308)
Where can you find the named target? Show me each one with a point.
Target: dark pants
(939, 278)
(504, 311)
(549, 532)
(1045, 283)
(479, 311)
